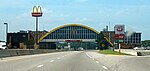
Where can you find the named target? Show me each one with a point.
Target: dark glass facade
(135, 38)
(72, 32)
(16, 38)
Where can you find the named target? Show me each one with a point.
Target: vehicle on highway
(139, 48)
(80, 49)
(147, 48)
(3, 45)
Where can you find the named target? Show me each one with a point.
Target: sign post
(119, 35)
(37, 12)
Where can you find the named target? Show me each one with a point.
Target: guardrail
(20, 52)
(135, 52)
(143, 52)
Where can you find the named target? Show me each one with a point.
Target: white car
(138, 48)
(80, 49)
(3, 45)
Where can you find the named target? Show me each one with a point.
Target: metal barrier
(143, 52)
(135, 52)
(20, 52)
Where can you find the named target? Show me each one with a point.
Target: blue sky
(135, 14)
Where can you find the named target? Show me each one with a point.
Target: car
(80, 49)
(147, 48)
(139, 48)
(3, 45)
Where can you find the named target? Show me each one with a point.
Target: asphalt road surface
(74, 61)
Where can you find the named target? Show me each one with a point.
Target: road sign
(119, 41)
(119, 29)
(119, 36)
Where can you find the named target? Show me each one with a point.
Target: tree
(146, 43)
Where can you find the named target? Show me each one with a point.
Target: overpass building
(68, 33)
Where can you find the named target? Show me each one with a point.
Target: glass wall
(72, 32)
(134, 38)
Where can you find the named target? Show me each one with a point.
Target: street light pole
(6, 31)
(109, 31)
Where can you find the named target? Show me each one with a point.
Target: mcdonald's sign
(37, 11)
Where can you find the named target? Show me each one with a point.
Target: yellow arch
(67, 26)
(36, 9)
(108, 41)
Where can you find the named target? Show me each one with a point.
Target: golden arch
(37, 9)
(66, 26)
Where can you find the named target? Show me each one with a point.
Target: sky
(134, 14)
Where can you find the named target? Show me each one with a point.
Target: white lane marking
(88, 55)
(40, 66)
(97, 62)
(93, 59)
(58, 58)
(52, 61)
(105, 67)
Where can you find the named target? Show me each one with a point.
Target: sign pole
(37, 12)
(36, 30)
(119, 48)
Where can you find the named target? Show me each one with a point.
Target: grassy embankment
(111, 52)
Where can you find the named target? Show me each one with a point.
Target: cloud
(130, 31)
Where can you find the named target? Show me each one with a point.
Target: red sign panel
(37, 14)
(73, 40)
(119, 36)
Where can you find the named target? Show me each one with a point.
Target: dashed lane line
(96, 61)
(88, 55)
(40, 66)
(52, 60)
(58, 58)
(105, 67)
(93, 59)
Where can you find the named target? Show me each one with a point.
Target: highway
(75, 61)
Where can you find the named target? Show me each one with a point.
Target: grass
(111, 52)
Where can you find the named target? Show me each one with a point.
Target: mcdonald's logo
(37, 11)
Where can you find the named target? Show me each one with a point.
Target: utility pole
(109, 31)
